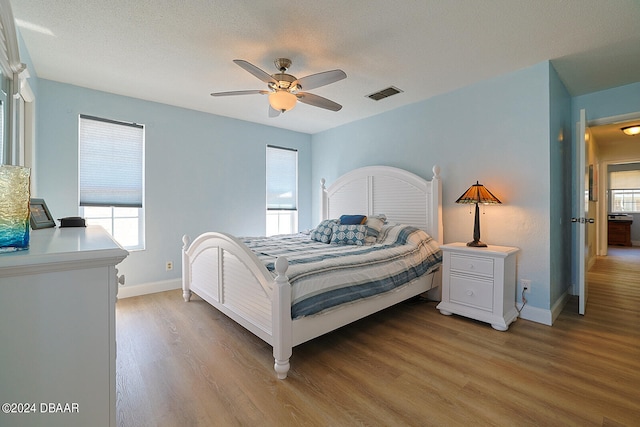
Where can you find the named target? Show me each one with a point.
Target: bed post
(436, 194)
(186, 271)
(324, 208)
(282, 324)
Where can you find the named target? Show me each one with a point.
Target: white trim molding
(541, 315)
(148, 288)
(10, 57)
(535, 314)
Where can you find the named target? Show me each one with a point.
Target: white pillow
(374, 225)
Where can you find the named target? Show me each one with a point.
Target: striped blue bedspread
(324, 276)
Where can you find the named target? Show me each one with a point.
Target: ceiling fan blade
(318, 101)
(240, 92)
(273, 112)
(262, 75)
(320, 79)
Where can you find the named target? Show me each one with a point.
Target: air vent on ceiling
(384, 93)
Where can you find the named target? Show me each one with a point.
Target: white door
(581, 216)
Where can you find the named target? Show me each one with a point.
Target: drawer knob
(471, 266)
(469, 292)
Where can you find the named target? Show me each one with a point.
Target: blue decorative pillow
(352, 219)
(323, 231)
(353, 234)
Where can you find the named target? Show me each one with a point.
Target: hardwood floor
(186, 364)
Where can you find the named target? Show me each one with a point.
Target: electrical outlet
(526, 285)
(169, 265)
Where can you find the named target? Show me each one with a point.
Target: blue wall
(496, 131)
(560, 137)
(203, 172)
(607, 103)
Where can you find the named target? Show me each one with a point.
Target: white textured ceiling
(178, 52)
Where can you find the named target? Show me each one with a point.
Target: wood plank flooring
(186, 364)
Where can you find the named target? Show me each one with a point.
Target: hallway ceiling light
(631, 130)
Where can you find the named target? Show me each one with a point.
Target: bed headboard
(401, 195)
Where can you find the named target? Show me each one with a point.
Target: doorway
(588, 160)
(614, 263)
(612, 147)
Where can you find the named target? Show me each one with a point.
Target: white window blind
(624, 180)
(111, 163)
(282, 178)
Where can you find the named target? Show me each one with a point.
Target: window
(112, 178)
(282, 190)
(624, 191)
(2, 137)
(5, 141)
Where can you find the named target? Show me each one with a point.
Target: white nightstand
(479, 283)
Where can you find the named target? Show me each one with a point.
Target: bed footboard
(224, 272)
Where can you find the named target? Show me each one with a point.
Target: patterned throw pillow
(349, 234)
(323, 231)
(374, 225)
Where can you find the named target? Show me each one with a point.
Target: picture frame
(40, 216)
(593, 183)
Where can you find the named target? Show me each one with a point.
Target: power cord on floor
(418, 299)
(524, 302)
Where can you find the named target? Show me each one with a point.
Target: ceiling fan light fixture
(285, 90)
(631, 130)
(282, 100)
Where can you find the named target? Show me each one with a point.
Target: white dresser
(479, 283)
(57, 329)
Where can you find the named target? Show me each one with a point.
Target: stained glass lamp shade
(477, 193)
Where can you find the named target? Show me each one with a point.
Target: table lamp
(477, 193)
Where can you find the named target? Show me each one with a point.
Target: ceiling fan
(285, 90)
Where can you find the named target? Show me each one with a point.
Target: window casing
(12, 75)
(111, 178)
(282, 191)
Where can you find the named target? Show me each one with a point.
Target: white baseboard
(148, 288)
(559, 305)
(541, 315)
(535, 314)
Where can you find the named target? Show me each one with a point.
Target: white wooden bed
(226, 274)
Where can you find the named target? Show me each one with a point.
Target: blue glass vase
(14, 208)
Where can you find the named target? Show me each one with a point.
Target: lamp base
(477, 244)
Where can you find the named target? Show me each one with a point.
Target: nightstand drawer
(471, 291)
(472, 265)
